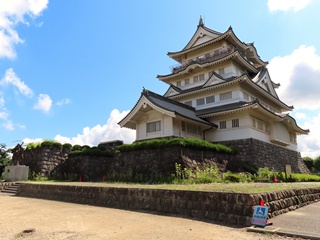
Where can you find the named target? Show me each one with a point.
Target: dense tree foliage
(309, 162)
(5, 159)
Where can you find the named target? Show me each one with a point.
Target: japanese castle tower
(220, 91)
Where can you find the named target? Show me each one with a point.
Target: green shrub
(265, 173)
(298, 177)
(248, 167)
(33, 145)
(230, 177)
(37, 177)
(76, 147)
(184, 142)
(51, 144)
(67, 145)
(94, 151)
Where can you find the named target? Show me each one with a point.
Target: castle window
(201, 77)
(261, 125)
(221, 71)
(235, 123)
(267, 128)
(179, 84)
(191, 128)
(210, 99)
(196, 79)
(200, 101)
(293, 138)
(153, 126)
(186, 81)
(223, 124)
(225, 96)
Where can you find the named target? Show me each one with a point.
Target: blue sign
(260, 215)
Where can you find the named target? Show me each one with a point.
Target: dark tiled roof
(173, 106)
(224, 108)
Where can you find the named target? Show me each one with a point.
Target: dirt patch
(59, 220)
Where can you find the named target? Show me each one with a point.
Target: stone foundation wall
(262, 154)
(144, 165)
(89, 168)
(229, 208)
(44, 160)
(149, 164)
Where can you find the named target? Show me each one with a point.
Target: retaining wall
(230, 208)
(263, 154)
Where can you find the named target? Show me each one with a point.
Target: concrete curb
(283, 232)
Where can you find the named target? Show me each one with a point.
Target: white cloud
(11, 78)
(300, 115)
(299, 75)
(4, 115)
(1, 100)
(286, 5)
(107, 132)
(64, 101)
(8, 125)
(309, 145)
(12, 13)
(44, 103)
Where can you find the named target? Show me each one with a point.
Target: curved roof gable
(150, 100)
(263, 80)
(205, 36)
(201, 35)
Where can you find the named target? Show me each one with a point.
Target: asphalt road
(305, 220)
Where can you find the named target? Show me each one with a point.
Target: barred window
(179, 84)
(153, 126)
(223, 124)
(235, 123)
(191, 128)
(200, 101)
(210, 99)
(225, 96)
(186, 81)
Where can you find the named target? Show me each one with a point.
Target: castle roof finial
(200, 22)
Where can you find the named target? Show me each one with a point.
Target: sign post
(260, 215)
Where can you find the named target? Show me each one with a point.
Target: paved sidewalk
(303, 222)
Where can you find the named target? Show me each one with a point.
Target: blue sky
(70, 70)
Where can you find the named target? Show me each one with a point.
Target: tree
(5, 159)
(316, 164)
(309, 162)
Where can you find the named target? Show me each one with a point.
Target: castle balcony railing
(209, 57)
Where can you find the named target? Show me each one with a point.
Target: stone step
(12, 189)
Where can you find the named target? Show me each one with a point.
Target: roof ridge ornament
(200, 22)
